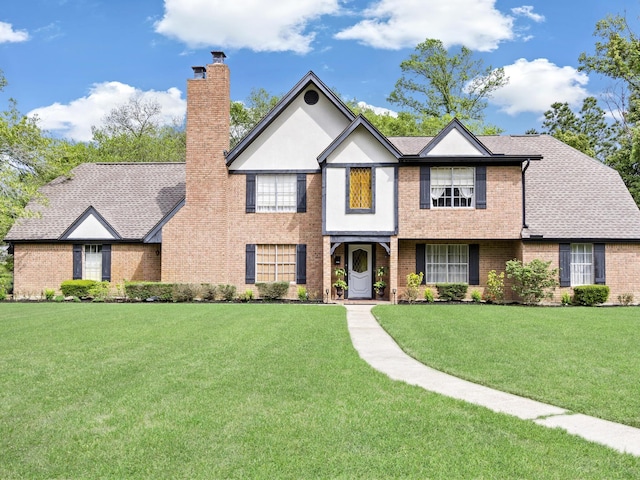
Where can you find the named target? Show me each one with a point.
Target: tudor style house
(314, 187)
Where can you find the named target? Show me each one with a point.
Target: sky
(70, 62)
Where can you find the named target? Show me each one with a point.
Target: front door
(360, 268)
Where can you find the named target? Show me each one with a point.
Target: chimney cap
(218, 56)
(199, 72)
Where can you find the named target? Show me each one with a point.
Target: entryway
(360, 277)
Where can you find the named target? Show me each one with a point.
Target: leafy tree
(132, 132)
(588, 131)
(436, 84)
(245, 115)
(533, 280)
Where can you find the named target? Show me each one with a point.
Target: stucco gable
(90, 226)
(455, 140)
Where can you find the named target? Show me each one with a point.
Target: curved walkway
(378, 349)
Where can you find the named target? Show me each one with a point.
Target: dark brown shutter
(425, 187)
(481, 188)
(565, 264)
(251, 193)
(77, 262)
(301, 264)
(302, 193)
(599, 263)
(421, 260)
(474, 264)
(250, 264)
(106, 263)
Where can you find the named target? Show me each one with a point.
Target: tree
(617, 56)
(532, 281)
(588, 131)
(132, 132)
(246, 115)
(435, 84)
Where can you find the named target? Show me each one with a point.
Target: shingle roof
(131, 197)
(569, 195)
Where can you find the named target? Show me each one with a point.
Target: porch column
(327, 265)
(393, 268)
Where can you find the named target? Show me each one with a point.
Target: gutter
(524, 192)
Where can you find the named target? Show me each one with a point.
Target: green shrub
(58, 298)
(184, 292)
(272, 290)
(303, 295)
(77, 288)
(428, 295)
(476, 296)
(414, 280)
(49, 293)
(590, 294)
(99, 291)
(3, 294)
(533, 280)
(494, 293)
(162, 292)
(227, 292)
(566, 298)
(247, 296)
(625, 299)
(452, 291)
(208, 292)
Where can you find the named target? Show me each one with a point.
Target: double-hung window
(93, 262)
(452, 186)
(447, 263)
(582, 271)
(276, 263)
(276, 193)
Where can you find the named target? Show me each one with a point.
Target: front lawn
(583, 359)
(243, 391)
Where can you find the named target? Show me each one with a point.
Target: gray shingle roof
(569, 195)
(131, 197)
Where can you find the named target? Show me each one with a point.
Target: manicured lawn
(243, 391)
(584, 359)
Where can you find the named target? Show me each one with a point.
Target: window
(452, 186)
(582, 272)
(360, 188)
(276, 263)
(93, 262)
(276, 193)
(447, 264)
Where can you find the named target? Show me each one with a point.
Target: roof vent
(199, 72)
(218, 57)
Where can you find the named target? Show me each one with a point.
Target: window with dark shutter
(301, 264)
(250, 264)
(565, 264)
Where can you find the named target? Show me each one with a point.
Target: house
(314, 187)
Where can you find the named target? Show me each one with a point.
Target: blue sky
(72, 61)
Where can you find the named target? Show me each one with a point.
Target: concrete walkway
(378, 349)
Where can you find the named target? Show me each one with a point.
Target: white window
(276, 193)
(276, 263)
(582, 272)
(452, 186)
(93, 262)
(447, 264)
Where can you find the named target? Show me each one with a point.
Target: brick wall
(40, 266)
(135, 262)
(501, 219)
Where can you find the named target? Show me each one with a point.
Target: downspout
(524, 192)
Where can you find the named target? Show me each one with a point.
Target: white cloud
(75, 119)
(534, 86)
(8, 34)
(378, 110)
(395, 24)
(527, 11)
(255, 24)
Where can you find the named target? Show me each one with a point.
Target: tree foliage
(435, 84)
(246, 115)
(533, 281)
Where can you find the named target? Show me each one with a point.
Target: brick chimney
(194, 241)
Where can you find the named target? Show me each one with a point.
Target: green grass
(583, 359)
(243, 391)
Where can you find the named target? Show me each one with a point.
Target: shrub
(303, 295)
(3, 294)
(476, 296)
(208, 292)
(49, 293)
(625, 299)
(77, 288)
(143, 290)
(532, 280)
(272, 290)
(566, 298)
(428, 295)
(414, 280)
(451, 291)
(247, 296)
(58, 298)
(227, 292)
(184, 292)
(591, 294)
(99, 291)
(494, 293)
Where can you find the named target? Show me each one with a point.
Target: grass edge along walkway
(380, 350)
